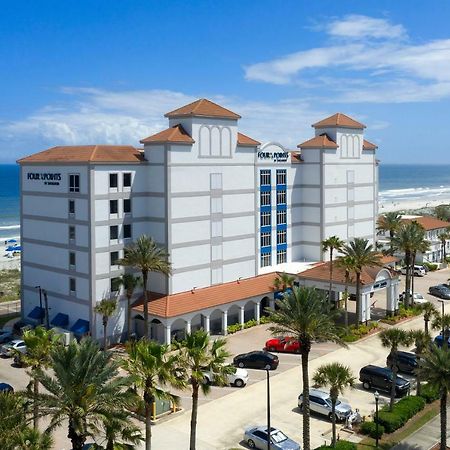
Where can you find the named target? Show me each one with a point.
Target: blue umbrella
(11, 240)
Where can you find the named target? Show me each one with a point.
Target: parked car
(381, 378)
(5, 336)
(256, 437)
(286, 344)
(239, 378)
(406, 361)
(256, 360)
(20, 326)
(440, 291)
(439, 339)
(5, 387)
(17, 344)
(418, 299)
(320, 402)
(419, 271)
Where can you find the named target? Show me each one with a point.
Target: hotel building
(230, 212)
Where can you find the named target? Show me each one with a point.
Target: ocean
(397, 183)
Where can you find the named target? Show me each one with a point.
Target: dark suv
(406, 362)
(381, 378)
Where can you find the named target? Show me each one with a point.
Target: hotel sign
(50, 179)
(273, 156)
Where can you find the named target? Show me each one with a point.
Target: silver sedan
(256, 437)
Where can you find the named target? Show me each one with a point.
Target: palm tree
(106, 308)
(435, 368)
(389, 222)
(283, 282)
(338, 377)
(304, 314)
(146, 256)
(121, 430)
(40, 342)
(153, 368)
(393, 338)
(31, 439)
(429, 312)
(129, 283)
(85, 389)
(422, 341)
(346, 263)
(443, 237)
(330, 244)
(442, 322)
(362, 254)
(197, 353)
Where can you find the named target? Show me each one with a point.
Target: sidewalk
(425, 437)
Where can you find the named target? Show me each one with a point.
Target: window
(281, 256)
(72, 285)
(113, 232)
(281, 237)
(127, 206)
(216, 228)
(265, 259)
(115, 284)
(113, 180)
(71, 206)
(265, 239)
(281, 217)
(113, 256)
(72, 259)
(281, 197)
(216, 205)
(113, 206)
(127, 231)
(265, 198)
(216, 181)
(72, 232)
(74, 183)
(127, 179)
(265, 219)
(264, 178)
(281, 176)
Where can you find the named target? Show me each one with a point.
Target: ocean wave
(9, 227)
(413, 193)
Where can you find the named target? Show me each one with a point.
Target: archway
(178, 329)
(215, 322)
(249, 311)
(197, 322)
(156, 330)
(265, 303)
(233, 314)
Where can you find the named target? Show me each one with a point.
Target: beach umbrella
(11, 241)
(10, 248)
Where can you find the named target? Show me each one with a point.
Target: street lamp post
(377, 397)
(40, 300)
(268, 409)
(47, 324)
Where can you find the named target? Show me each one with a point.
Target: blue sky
(78, 72)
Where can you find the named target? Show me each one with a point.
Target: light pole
(377, 397)
(46, 309)
(268, 410)
(40, 300)
(442, 315)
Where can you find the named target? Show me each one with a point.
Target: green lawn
(9, 285)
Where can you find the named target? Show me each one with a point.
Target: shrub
(264, 319)
(370, 428)
(429, 393)
(231, 329)
(402, 411)
(354, 332)
(340, 445)
(430, 266)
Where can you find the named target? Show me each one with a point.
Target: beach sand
(407, 205)
(6, 262)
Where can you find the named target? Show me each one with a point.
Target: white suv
(419, 271)
(320, 402)
(239, 378)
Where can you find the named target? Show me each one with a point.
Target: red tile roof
(86, 153)
(429, 222)
(203, 108)
(368, 145)
(338, 120)
(246, 141)
(175, 135)
(321, 141)
(209, 297)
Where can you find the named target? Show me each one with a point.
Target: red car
(283, 344)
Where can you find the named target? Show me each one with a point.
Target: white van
(419, 271)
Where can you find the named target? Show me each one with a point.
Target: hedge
(249, 324)
(340, 445)
(430, 266)
(429, 393)
(355, 332)
(402, 411)
(370, 428)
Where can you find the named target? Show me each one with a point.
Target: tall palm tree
(85, 389)
(153, 369)
(106, 308)
(338, 377)
(443, 237)
(347, 264)
(330, 244)
(389, 222)
(197, 353)
(40, 343)
(362, 254)
(420, 244)
(422, 341)
(129, 282)
(442, 322)
(429, 312)
(121, 433)
(283, 281)
(435, 368)
(146, 256)
(304, 314)
(393, 338)
(31, 439)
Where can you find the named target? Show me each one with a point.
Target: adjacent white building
(229, 210)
